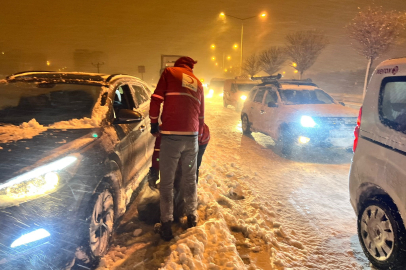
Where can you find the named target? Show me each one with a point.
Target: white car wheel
(101, 223)
(381, 233)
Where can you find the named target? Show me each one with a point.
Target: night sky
(133, 33)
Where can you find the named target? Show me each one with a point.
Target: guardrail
(350, 100)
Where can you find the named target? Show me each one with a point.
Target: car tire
(225, 105)
(285, 143)
(381, 233)
(245, 124)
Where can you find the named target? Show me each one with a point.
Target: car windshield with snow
(297, 114)
(73, 148)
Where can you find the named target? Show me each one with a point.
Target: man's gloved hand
(155, 129)
(153, 176)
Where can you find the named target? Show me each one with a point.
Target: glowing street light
(213, 46)
(226, 70)
(213, 58)
(295, 71)
(228, 57)
(48, 63)
(217, 64)
(223, 15)
(294, 64)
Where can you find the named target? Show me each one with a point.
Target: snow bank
(227, 206)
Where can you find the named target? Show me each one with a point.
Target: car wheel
(245, 124)
(101, 223)
(285, 143)
(224, 103)
(381, 233)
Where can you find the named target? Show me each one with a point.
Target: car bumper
(324, 137)
(57, 215)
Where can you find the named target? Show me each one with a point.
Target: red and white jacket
(183, 97)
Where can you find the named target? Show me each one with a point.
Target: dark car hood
(18, 155)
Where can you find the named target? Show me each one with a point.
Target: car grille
(347, 122)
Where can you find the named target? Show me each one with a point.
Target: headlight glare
(307, 121)
(37, 182)
(243, 97)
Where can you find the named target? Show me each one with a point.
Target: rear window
(245, 87)
(392, 103)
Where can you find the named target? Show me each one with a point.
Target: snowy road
(309, 192)
(257, 210)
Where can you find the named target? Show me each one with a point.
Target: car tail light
(356, 131)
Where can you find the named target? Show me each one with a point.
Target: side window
(252, 94)
(234, 87)
(260, 96)
(392, 103)
(271, 96)
(140, 95)
(323, 97)
(123, 99)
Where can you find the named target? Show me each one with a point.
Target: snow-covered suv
(297, 112)
(378, 171)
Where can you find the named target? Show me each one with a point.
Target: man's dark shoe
(166, 231)
(191, 221)
(153, 176)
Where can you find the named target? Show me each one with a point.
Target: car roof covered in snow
(64, 77)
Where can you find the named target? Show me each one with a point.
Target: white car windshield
(296, 97)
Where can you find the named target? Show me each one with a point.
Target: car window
(140, 95)
(244, 87)
(252, 94)
(260, 96)
(392, 103)
(271, 96)
(123, 99)
(296, 97)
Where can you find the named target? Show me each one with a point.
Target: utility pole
(98, 66)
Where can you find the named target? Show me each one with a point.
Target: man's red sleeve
(201, 114)
(157, 98)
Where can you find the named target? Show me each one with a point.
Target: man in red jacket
(182, 122)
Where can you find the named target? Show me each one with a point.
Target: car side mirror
(342, 103)
(125, 116)
(272, 104)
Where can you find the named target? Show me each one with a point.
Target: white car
(298, 113)
(378, 171)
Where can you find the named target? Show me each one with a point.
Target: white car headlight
(243, 97)
(307, 121)
(35, 183)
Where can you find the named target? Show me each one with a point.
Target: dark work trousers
(173, 149)
(202, 149)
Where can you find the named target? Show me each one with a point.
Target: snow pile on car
(26, 130)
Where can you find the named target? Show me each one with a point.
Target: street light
(213, 46)
(223, 15)
(213, 58)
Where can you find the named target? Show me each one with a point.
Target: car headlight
(35, 183)
(243, 97)
(307, 121)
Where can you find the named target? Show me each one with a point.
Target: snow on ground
(230, 218)
(257, 211)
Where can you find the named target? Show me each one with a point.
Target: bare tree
(374, 30)
(303, 48)
(251, 65)
(272, 59)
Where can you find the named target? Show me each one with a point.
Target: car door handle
(262, 111)
(142, 128)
